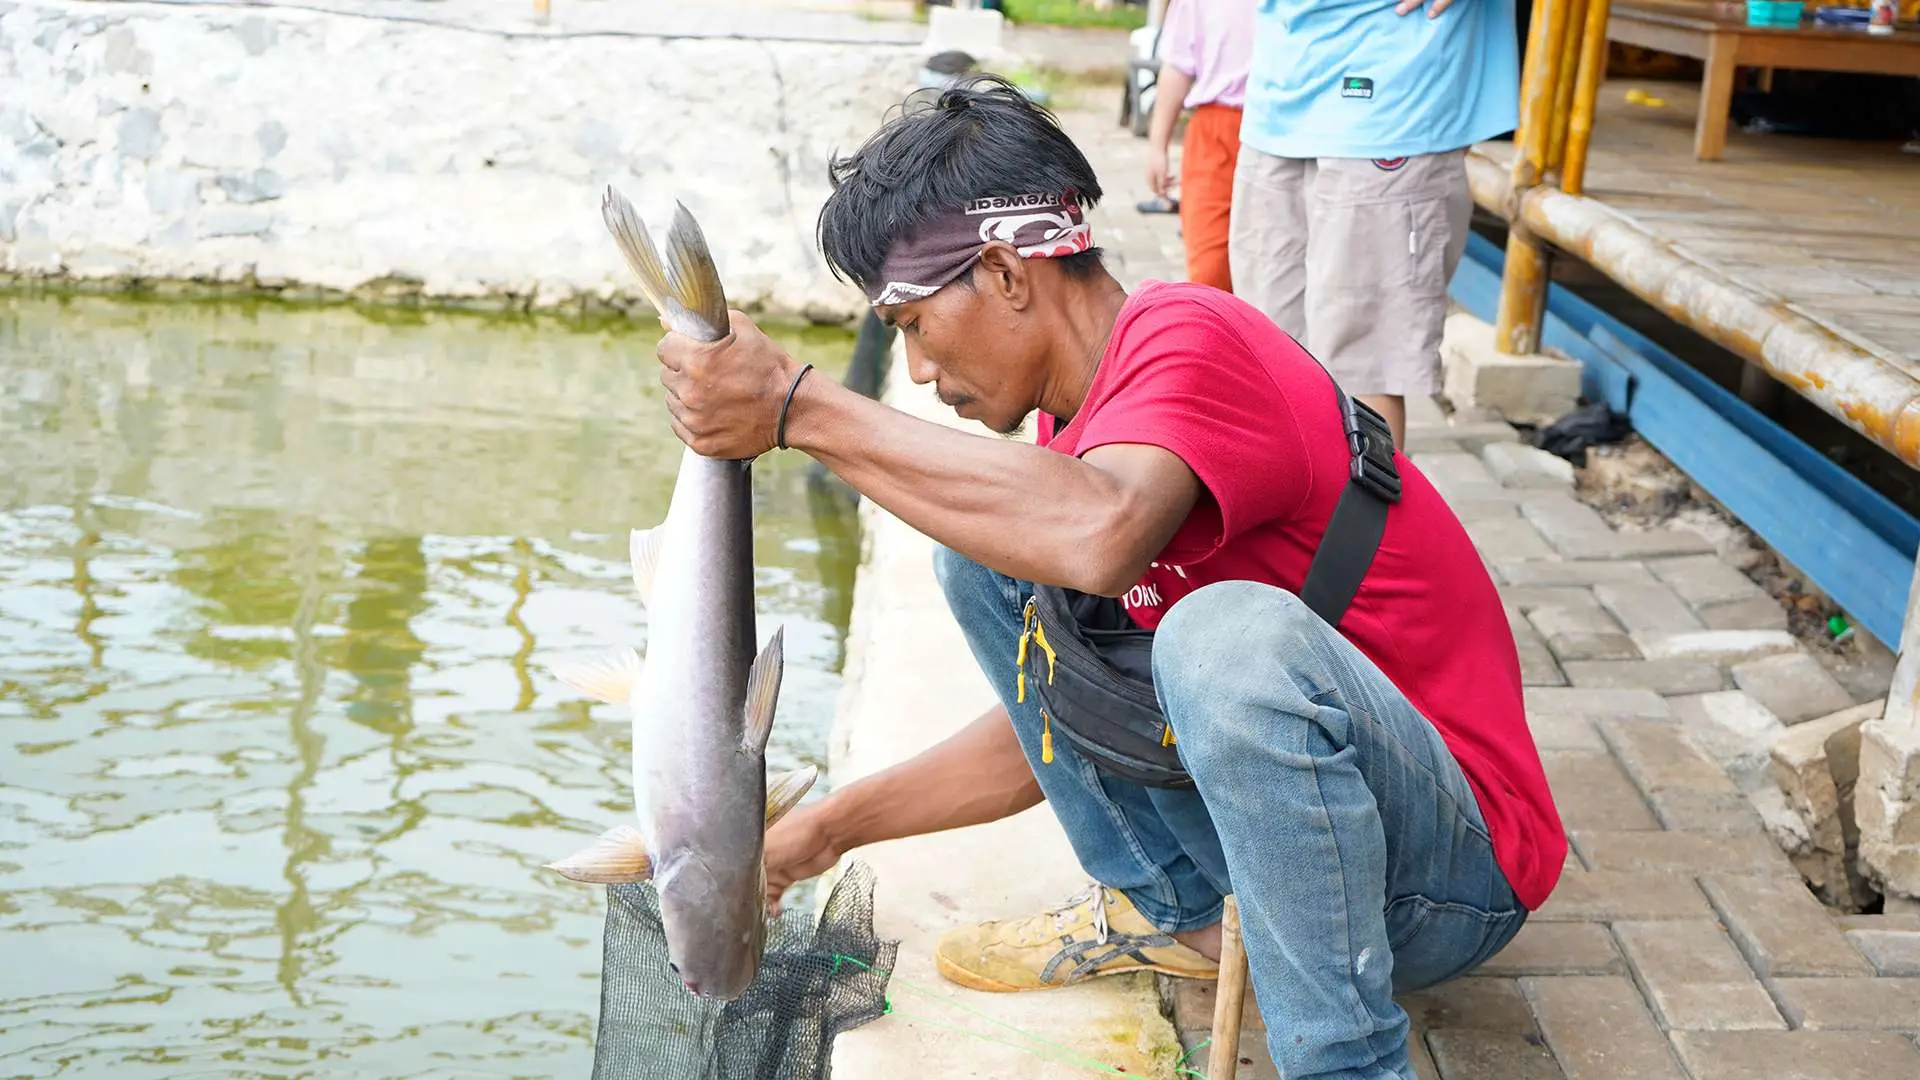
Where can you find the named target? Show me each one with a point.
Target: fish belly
(705, 790)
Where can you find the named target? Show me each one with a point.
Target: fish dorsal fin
(785, 791)
(617, 857)
(608, 676)
(763, 691)
(643, 550)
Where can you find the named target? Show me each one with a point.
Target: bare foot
(1205, 941)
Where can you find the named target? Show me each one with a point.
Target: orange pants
(1207, 156)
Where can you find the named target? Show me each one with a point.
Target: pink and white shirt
(1211, 40)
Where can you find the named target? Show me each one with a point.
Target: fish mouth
(684, 981)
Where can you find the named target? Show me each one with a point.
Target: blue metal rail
(1854, 543)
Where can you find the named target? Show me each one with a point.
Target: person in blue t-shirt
(1350, 198)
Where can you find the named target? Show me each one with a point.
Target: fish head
(716, 930)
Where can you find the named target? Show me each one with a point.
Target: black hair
(980, 136)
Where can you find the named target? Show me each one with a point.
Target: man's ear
(1002, 272)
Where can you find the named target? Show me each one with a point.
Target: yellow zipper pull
(1046, 737)
(1020, 657)
(1040, 639)
(1166, 737)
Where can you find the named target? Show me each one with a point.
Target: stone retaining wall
(348, 153)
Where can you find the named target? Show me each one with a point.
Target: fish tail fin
(636, 246)
(616, 857)
(785, 791)
(763, 693)
(608, 676)
(695, 278)
(685, 288)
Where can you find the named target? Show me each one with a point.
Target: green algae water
(279, 758)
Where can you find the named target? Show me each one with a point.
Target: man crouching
(1371, 794)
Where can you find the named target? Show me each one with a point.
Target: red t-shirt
(1206, 376)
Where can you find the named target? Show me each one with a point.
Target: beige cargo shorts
(1352, 258)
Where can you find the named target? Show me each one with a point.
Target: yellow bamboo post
(1229, 998)
(1538, 76)
(1586, 93)
(1523, 283)
(1570, 40)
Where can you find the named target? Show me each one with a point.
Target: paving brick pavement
(1681, 942)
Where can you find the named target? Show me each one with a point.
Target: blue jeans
(1330, 808)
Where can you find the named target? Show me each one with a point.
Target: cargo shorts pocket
(1384, 225)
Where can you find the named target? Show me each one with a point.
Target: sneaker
(1097, 932)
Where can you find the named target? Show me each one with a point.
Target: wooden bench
(1724, 42)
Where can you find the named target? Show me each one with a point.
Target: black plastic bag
(1593, 424)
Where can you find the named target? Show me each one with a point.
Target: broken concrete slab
(1815, 765)
(1887, 806)
(1736, 730)
(1792, 685)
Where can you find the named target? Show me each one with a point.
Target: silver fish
(702, 705)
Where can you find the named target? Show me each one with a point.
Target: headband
(1040, 226)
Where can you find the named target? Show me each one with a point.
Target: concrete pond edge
(909, 681)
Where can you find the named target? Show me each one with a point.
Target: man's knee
(969, 586)
(1220, 630)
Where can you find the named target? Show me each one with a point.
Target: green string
(1180, 1067)
(1071, 1056)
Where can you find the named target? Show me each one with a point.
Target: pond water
(279, 758)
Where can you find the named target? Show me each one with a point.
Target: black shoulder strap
(1360, 518)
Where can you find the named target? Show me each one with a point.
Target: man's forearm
(1013, 507)
(977, 775)
(1170, 89)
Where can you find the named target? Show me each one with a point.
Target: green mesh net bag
(816, 981)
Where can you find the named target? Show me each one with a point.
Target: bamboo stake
(1586, 93)
(1537, 73)
(1523, 282)
(1229, 996)
(1570, 41)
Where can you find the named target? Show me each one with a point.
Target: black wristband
(780, 432)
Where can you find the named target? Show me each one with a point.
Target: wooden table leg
(1716, 100)
(1230, 996)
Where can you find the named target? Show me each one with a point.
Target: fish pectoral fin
(785, 791)
(617, 857)
(763, 691)
(643, 550)
(608, 676)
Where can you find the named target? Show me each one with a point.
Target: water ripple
(279, 758)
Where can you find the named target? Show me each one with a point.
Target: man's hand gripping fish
(702, 705)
